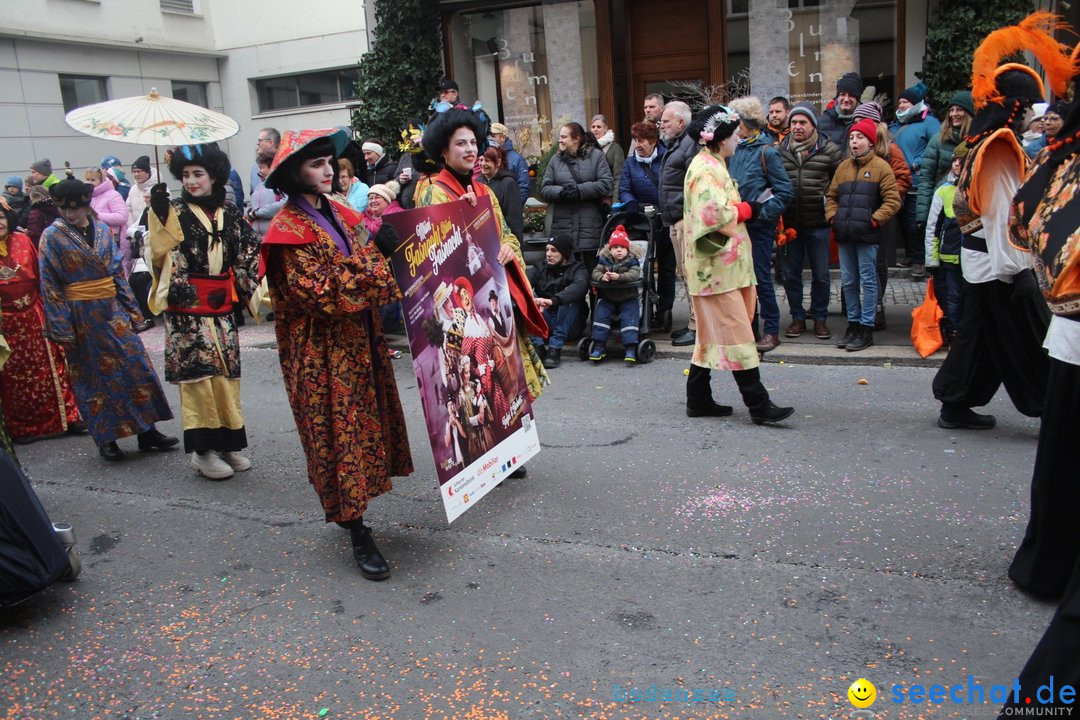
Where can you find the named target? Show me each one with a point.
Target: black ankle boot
(153, 439)
(368, 558)
(756, 397)
(699, 400)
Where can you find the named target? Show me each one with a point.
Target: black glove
(920, 230)
(159, 201)
(1024, 285)
(570, 192)
(755, 209)
(386, 240)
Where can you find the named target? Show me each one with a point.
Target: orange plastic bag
(926, 324)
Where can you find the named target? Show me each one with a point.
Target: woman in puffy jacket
(110, 208)
(576, 181)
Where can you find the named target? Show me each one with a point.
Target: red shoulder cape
(291, 227)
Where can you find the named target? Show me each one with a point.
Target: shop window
(306, 89)
(822, 40)
(533, 68)
(77, 91)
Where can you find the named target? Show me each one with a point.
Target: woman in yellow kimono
(720, 273)
(453, 139)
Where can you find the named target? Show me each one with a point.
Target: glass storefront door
(534, 68)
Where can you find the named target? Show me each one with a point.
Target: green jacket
(935, 166)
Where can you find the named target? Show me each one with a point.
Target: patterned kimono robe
(202, 352)
(34, 383)
(5, 439)
(334, 358)
(445, 188)
(719, 267)
(117, 390)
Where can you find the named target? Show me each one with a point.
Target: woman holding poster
(327, 284)
(453, 138)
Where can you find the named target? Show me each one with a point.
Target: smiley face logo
(862, 693)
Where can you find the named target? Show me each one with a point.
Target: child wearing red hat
(861, 198)
(616, 268)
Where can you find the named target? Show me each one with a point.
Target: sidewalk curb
(806, 354)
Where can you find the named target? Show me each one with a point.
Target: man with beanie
(912, 132)
(836, 120)
(810, 159)
(41, 173)
(617, 267)
(559, 284)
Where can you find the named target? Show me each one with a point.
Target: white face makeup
(318, 173)
(197, 181)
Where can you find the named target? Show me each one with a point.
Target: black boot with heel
(368, 558)
(756, 397)
(699, 400)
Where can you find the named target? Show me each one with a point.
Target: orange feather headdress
(1034, 34)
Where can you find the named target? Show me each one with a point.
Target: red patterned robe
(34, 387)
(334, 358)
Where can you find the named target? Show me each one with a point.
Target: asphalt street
(771, 567)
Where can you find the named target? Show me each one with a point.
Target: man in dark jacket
(380, 168)
(811, 159)
(681, 150)
(836, 120)
(560, 284)
(516, 164)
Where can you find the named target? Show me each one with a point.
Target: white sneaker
(211, 466)
(236, 461)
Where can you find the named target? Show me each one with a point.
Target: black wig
(209, 157)
(721, 121)
(286, 178)
(443, 126)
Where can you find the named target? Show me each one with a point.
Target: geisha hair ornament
(723, 116)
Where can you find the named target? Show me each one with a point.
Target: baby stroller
(639, 226)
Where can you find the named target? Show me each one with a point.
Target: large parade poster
(463, 339)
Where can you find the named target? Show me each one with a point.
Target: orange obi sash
(216, 295)
(100, 289)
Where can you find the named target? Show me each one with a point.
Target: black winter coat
(811, 178)
(508, 193)
(563, 284)
(672, 174)
(581, 218)
(384, 171)
(834, 127)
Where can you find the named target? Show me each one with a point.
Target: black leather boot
(111, 451)
(153, 439)
(368, 558)
(699, 400)
(756, 397)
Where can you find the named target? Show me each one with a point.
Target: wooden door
(672, 40)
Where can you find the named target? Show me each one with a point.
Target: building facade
(263, 64)
(537, 65)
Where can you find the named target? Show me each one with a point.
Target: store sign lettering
(814, 31)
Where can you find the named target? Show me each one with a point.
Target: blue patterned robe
(118, 392)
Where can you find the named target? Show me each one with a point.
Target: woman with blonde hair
(109, 206)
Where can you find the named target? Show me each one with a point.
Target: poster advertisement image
(463, 340)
